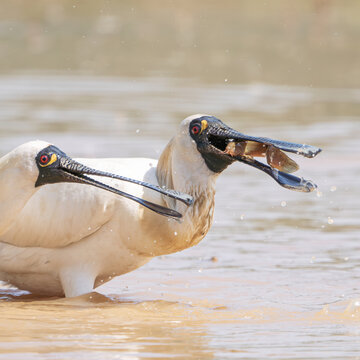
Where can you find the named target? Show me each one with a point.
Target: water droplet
(333, 188)
(226, 80)
(283, 203)
(175, 233)
(318, 193)
(137, 131)
(330, 220)
(242, 217)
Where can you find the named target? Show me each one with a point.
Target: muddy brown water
(278, 275)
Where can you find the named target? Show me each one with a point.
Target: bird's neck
(184, 171)
(187, 173)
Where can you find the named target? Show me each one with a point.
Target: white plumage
(69, 238)
(18, 174)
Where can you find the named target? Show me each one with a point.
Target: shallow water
(278, 275)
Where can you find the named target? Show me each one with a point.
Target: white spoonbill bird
(38, 163)
(70, 238)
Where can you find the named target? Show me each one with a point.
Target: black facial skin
(212, 141)
(65, 169)
(210, 147)
(52, 173)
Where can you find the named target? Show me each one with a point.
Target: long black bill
(77, 171)
(244, 148)
(299, 149)
(288, 181)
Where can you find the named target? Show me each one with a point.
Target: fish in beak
(221, 145)
(55, 166)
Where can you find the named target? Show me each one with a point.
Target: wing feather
(61, 214)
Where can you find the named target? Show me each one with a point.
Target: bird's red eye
(44, 159)
(195, 129)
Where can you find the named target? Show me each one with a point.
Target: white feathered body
(72, 237)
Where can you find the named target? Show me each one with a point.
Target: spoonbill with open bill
(70, 238)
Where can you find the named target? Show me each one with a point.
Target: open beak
(244, 148)
(70, 170)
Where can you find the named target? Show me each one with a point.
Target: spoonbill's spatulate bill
(68, 238)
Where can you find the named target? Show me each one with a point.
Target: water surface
(278, 274)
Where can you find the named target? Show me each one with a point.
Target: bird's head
(42, 163)
(39, 163)
(219, 146)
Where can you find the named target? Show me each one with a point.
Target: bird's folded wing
(60, 214)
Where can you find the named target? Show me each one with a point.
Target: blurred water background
(278, 275)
